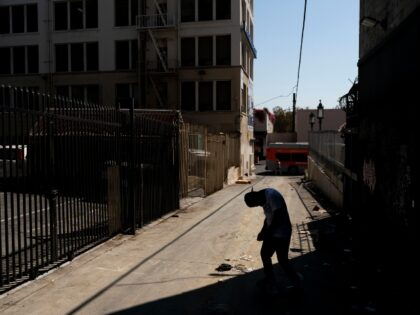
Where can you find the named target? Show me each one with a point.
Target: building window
(125, 12)
(162, 89)
(62, 91)
(91, 13)
(5, 66)
(205, 10)
(244, 62)
(33, 59)
(77, 57)
(32, 18)
(188, 52)
(126, 55)
(223, 50)
(187, 10)
(205, 96)
(92, 94)
(77, 92)
(18, 19)
(92, 56)
(61, 58)
(223, 95)
(124, 95)
(60, 16)
(19, 60)
(188, 96)
(4, 20)
(75, 15)
(223, 9)
(205, 51)
(84, 93)
(22, 18)
(83, 57)
(244, 101)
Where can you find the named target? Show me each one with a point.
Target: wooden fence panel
(215, 174)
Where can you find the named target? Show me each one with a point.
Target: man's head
(255, 198)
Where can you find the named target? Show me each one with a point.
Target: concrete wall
(333, 119)
(263, 125)
(281, 137)
(330, 187)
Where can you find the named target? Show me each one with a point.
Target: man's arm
(263, 232)
(274, 223)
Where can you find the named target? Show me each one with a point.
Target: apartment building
(192, 55)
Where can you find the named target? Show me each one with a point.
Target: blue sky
(329, 57)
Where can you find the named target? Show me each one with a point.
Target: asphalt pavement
(171, 265)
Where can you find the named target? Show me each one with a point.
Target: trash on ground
(242, 268)
(246, 257)
(224, 267)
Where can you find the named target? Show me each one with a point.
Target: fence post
(52, 198)
(53, 193)
(131, 177)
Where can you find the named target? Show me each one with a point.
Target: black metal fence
(72, 174)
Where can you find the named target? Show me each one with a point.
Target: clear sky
(329, 57)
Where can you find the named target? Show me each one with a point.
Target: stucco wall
(333, 119)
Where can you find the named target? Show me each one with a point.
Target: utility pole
(294, 113)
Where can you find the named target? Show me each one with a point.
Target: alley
(169, 266)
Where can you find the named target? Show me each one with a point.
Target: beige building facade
(190, 55)
(197, 56)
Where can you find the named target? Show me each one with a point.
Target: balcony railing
(155, 21)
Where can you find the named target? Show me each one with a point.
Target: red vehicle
(287, 157)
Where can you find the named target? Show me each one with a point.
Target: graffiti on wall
(369, 175)
(402, 184)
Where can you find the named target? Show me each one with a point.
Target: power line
(296, 87)
(301, 47)
(276, 97)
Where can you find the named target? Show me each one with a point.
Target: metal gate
(72, 174)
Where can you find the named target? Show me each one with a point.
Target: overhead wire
(276, 97)
(296, 87)
(301, 47)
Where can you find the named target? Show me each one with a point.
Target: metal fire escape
(149, 25)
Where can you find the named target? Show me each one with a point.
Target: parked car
(13, 159)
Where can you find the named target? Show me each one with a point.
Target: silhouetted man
(275, 234)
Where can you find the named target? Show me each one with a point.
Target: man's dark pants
(281, 247)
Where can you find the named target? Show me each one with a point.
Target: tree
(283, 121)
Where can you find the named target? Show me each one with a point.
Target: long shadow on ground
(325, 288)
